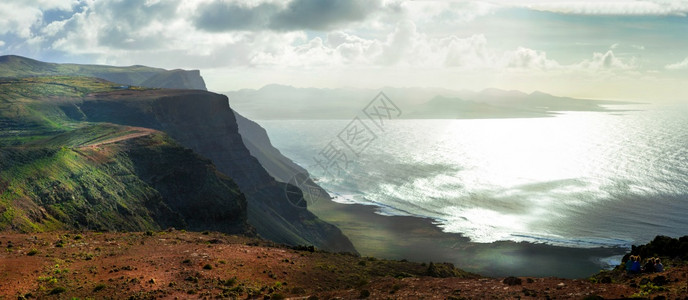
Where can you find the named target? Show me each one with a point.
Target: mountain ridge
(138, 75)
(268, 209)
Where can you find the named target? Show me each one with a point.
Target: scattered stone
(529, 292)
(660, 280)
(511, 280)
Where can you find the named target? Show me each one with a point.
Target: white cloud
(18, 19)
(18, 16)
(403, 37)
(447, 11)
(524, 58)
(467, 53)
(616, 7)
(682, 65)
(607, 61)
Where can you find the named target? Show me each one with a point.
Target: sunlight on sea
(581, 179)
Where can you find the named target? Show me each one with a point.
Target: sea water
(578, 179)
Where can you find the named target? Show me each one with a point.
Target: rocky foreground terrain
(177, 264)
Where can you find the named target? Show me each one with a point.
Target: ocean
(578, 179)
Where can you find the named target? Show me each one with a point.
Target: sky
(622, 49)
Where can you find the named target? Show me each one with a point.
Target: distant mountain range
(78, 151)
(415, 103)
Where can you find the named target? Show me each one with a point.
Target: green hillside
(17, 66)
(59, 173)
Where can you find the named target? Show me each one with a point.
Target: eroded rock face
(176, 79)
(190, 186)
(258, 144)
(135, 182)
(204, 122)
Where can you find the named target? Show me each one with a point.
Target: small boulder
(660, 280)
(511, 280)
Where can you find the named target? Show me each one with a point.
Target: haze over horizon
(617, 50)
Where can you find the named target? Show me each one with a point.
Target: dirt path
(137, 132)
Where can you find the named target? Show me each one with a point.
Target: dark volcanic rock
(176, 79)
(205, 123)
(190, 186)
(258, 144)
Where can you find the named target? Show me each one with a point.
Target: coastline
(420, 239)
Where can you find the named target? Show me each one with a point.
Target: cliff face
(196, 119)
(127, 179)
(205, 123)
(258, 144)
(176, 79)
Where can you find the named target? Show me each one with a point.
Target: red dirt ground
(184, 265)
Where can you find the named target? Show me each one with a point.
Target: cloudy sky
(622, 49)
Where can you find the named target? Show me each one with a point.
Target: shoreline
(420, 239)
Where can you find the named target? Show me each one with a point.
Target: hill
(68, 113)
(18, 66)
(59, 174)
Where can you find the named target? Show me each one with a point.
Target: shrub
(277, 296)
(511, 280)
(229, 282)
(298, 290)
(442, 270)
(57, 290)
(208, 267)
(32, 252)
(99, 287)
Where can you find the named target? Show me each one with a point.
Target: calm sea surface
(580, 179)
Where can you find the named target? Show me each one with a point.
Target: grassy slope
(51, 188)
(30, 107)
(16, 66)
(57, 173)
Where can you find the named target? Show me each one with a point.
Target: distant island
(274, 102)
